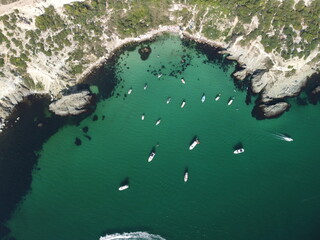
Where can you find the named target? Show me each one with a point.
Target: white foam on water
(282, 136)
(132, 235)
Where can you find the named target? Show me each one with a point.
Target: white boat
(218, 97)
(288, 139)
(130, 91)
(183, 103)
(195, 142)
(142, 117)
(230, 101)
(124, 187)
(203, 98)
(283, 137)
(240, 150)
(183, 81)
(185, 178)
(158, 122)
(151, 156)
(168, 100)
(159, 75)
(145, 87)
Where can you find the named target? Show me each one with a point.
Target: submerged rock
(95, 118)
(72, 104)
(263, 111)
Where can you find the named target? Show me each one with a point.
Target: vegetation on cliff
(80, 30)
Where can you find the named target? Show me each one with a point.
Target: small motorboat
(217, 97)
(142, 117)
(145, 86)
(195, 142)
(283, 137)
(237, 151)
(203, 98)
(124, 187)
(230, 101)
(183, 81)
(183, 103)
(168, 100)
(151, 156)
(288, 139)
(130, 91)
(185, 178)
(159, 75)
(158, 122)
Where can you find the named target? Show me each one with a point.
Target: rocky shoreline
(268, 72)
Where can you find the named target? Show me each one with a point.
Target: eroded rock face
(72, 104)
(263, 111)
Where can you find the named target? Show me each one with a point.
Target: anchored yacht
(203, 98)
(230, 101)
(185, 178)
(124, 187)
(130, 91)
(218, 97)
(195, 142)
(183, 81)
(237, 151)
(151, 156)
(168, 100)
(158, 122)
(183, 103)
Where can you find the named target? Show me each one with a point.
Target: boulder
(72, 104)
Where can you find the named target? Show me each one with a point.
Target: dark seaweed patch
(85, 129)
(77, 141)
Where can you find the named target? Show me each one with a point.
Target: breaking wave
(132, 235)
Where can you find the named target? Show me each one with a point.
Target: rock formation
(72, 104)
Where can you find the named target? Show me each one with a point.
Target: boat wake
(283, 137)
(132, 235)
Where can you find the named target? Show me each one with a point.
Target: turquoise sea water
(271, 191)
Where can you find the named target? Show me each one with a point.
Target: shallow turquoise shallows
(271, 191)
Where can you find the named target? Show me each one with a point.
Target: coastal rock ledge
(72, 104)
(263, 111)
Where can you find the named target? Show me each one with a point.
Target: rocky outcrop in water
(263, 111)
(72, 104)
(144, 53)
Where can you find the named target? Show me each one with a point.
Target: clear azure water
(271, 191)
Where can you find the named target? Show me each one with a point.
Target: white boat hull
(194, 144)
(185, 178)
(183, 104)
(151, 157)
(124, 187)
(240, 150)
